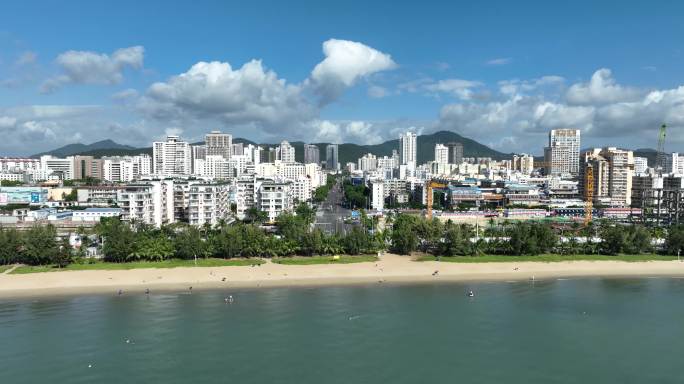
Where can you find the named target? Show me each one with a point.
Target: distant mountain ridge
(348, 152)
(77, 149)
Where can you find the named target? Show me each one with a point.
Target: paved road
(330, 215)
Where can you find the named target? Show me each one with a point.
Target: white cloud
(601, 89)
(125, 95)
(253, 97)
(7, 122)
(515, 86)
(26, 58)
(345, 62)
(361, 132)
(250, 95)
(463, 89)
(86, 67)
(377, 92)
(526, 111)
(499, 61)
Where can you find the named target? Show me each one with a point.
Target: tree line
(294, 234)
(412, 233)
(124, 242)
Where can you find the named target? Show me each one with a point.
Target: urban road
(331, 213)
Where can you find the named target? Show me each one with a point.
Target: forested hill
(348, 152)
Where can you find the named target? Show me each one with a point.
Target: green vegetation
(3, 268)
(546, 258)
(10, 183)
(321, 193)
(412, 233)
(342, 259)
(170, 263)
(356, 196)
(121, 242)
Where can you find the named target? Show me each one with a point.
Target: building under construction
(661, 198)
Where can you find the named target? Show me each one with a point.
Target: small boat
(471, 294)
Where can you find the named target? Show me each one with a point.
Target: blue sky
(501, 72)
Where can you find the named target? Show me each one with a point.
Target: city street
(331, 214)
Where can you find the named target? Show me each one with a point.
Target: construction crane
(588, 194)
(429, 186)
(660, 154)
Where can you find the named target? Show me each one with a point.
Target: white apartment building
(239, 163)
(219, 144)
(523, 163)
(315, 174)
(274, 198)
(290, 171)
(674, 163)
(562, 154)
(126, 168)
(150, 203)
(367, 162)
(301, 189)
(10, 164)
(612, 171)
(640, 165)
(214, 166)
(14, 177)
(245, 195)
(378, 195)
(208, 203)
(408, 149)
(172, 157)
(285, 152)
(441, 154)
(388, 162)
(64, 167)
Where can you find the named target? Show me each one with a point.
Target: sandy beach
(389, 269)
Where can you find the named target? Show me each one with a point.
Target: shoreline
(389, 269)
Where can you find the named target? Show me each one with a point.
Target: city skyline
(342, 83)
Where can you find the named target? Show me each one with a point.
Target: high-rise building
(441, 154)
(312, 154)
(407, 147)
(674, 163)
(612, 170)
(523, 163)
(640, 165)
(62, 168)
(285, 152)
(331, 157)
(219, 144)
(455, 152)
(87, 167)
(171, 157)
(199, 154)
(562, 154)
(368, 162)
(237, 149)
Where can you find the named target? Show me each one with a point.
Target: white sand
(390, 269)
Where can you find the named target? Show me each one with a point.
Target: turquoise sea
(557, 331)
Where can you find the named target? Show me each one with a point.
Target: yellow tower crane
(429, 186)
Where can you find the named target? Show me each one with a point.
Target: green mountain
(347, 152)
(78, 149)
(426, 148)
